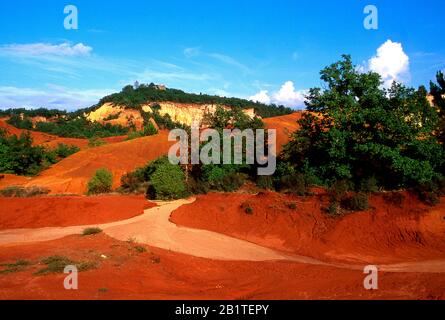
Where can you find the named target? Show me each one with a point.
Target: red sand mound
(17, 213)
(285, 125)
(384, 234)
(7, 180)
(127, 273)
(71, 175)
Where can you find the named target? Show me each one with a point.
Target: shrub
(54, 264)
(265, 182)
(369, 185)
(333, 210)
(394, 198)
(338, 190)
(101, 182)
(57, 264)
(292, 205)
(295, 183)
(23, 192)
(95, 142)
(247, 208)
(195, 186)
(358, 202)
(91, 231)
(167, 182)
(18, 266)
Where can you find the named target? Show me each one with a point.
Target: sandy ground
(155, 229)
(122, 272)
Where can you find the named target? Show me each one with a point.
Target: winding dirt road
(154, 228)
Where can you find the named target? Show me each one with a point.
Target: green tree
(438, 93)
(356, 130)
(101, 182)
(167, 182)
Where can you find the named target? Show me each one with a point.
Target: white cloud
(46, 49)
(191, 52)
(287, 96)
(54, 97)
(262, 97)
(391, 62)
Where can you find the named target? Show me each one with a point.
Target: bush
(334, 210)
(195, 186)
(91, 231)
(95, 142)
(167, 182)
(265, 182)
(292, 205)
(101, 182)
(369, 185)
(338, 190)
(23, 192)
(295, 183)
(247, 208)
(358, 202)
(394, 198)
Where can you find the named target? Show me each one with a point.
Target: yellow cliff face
(188, 113)
(117, 115)
(183, 113)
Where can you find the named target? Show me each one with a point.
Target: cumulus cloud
(46, 49)
(287, 96)
(262, 97)
(391, 62)
(54, 97)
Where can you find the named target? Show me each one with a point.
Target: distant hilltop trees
(134, 96)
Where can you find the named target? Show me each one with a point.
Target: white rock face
(183, 113)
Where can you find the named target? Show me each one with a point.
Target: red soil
(17, 213)
(7, 180)
(285, 126)
(160, 274)
(71, 175)
(383, 234)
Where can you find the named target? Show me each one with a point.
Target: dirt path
(155, 229)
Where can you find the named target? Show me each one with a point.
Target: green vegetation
(438, 92)
(23, 192)
(95, 142)
(17, 266)
(91, 231)
(62, 124)
(132, 97)
(57, 264)
(54, 264)
(247, 208)
(62, 151)
(167, 182)
(80, 127)
(149, 130)
(101, 182)
(366, 135)
(19, 156)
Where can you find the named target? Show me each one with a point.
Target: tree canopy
(357, 130)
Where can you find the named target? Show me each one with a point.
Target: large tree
(438, 93)
(357, 130)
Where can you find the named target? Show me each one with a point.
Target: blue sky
(270, 51)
